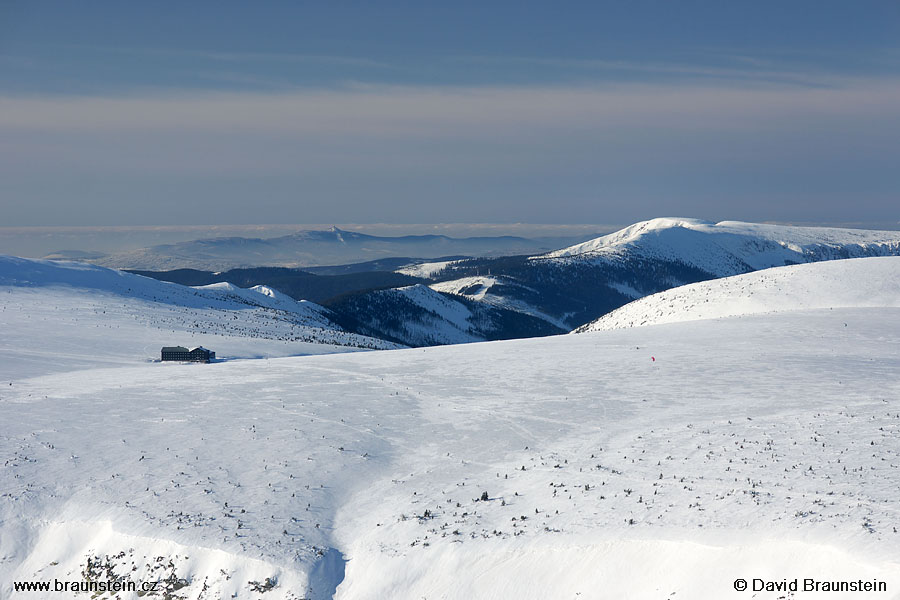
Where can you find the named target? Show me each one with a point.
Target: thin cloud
(244, 79)
(236, 57)
(746, 68)
(350, 61)
(413, 111)
(382, 152)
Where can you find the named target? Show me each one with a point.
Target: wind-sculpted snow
(71, 315)
(730, 247)
(864, 282)
(653, 462)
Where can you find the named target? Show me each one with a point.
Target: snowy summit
(733, 247)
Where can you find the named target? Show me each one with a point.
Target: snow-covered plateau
(665, 461)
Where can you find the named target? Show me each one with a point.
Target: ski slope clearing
(425, 270)
(863, 282)
(418, 315)
(495, 291)
(443, 320)
(652, 462)
(71, 315)
(729, 247)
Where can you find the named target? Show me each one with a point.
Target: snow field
(585, 568)
(861, 282)
(648, 462)
(733, 414)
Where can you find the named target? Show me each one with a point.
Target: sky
(192, 113)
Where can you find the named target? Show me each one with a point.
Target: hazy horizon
(39, 241)
(479, 112)
(36, 241)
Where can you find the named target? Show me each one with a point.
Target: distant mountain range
(313, 248)
(488, 298)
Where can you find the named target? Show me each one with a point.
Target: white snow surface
(475, 288)
(730, 247)
(73, 315)
(652, 462)
(850, 283)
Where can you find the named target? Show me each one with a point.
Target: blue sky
(118, 113)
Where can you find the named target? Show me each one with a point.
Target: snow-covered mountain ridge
(854, 283)
(31, 273)
(88, 316)
(731, 247)
(494, 291)
(522, 296)
(420, 315)
(578, 284)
